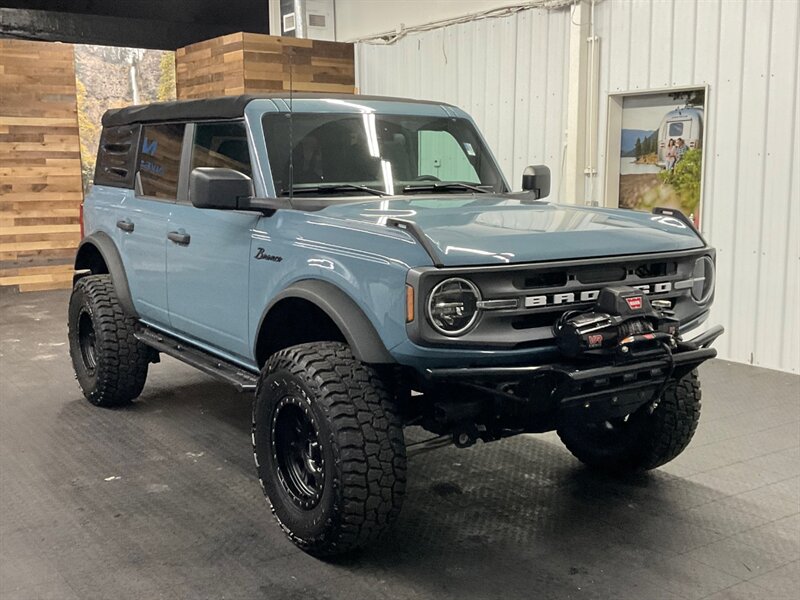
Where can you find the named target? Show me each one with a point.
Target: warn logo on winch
(595, 340)
(634, 302)
(590, 296)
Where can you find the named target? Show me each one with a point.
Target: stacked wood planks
(244, 63)
(40, 166)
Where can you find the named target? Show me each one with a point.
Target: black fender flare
(357, 329)
(103, 243)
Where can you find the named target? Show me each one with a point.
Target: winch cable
(663, 387)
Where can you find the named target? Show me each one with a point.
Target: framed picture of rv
(654, 154)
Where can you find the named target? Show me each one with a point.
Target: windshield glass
(394, 154)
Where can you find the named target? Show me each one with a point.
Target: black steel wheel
(297, 452)
(329, 448)
(87, 339)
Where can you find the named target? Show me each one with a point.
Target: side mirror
(223, 189)
(536, 179)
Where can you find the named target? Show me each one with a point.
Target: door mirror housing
(222, 189)
(536, 179)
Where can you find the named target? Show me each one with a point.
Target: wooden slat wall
(242, 63)
(40, 166)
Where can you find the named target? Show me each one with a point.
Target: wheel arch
(98, 255)
(325, 306)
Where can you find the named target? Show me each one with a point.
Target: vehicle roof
(685, 111)
(224, 107)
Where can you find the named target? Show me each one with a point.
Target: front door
(208, 251)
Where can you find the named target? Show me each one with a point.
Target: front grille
(544, 292)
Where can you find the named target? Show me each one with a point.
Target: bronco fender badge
(261, 254)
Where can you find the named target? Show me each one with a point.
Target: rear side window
(160, 160)
(116, 156)
(221, 145)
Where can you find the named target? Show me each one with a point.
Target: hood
(482, 230)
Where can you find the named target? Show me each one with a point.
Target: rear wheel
(110, 363)
(329, 448)
(643, 440)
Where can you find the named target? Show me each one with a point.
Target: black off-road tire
(114, 372)
(647, 440)
(361, 450)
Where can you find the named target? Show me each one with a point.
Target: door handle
(125, 225)
(179, 238)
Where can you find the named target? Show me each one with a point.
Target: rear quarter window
(116, 156)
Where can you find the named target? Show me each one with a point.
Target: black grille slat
(604, 275)
(544, 319)
(656, 269)
(546, 279)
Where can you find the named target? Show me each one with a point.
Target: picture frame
(651, 185)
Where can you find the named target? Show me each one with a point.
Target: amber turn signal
(409, 304)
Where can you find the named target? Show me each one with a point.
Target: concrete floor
(160, 500)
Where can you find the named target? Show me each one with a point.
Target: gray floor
(160, 500)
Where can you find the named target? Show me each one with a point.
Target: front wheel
(329, 448)
(643, 440)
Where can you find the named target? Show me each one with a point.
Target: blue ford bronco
(361, 265)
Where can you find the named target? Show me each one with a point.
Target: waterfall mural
(111, 77)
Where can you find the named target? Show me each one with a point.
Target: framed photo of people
(655, 150)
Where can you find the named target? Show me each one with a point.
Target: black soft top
(224, 107)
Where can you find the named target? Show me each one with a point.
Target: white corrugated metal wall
(747, 53)
(511, 74)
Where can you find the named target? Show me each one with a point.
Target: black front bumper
(592, 390)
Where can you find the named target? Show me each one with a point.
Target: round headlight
(452, 307)
(703, 279)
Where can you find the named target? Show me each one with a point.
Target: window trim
(186, 162)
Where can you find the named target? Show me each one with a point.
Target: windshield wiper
(333, 187)
(446, 185)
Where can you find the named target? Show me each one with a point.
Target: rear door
(143, 217)
(208, 257)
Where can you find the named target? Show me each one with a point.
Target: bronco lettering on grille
(588, 295)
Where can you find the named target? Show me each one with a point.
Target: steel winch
(622, 325)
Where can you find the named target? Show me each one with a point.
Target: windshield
(391, 154)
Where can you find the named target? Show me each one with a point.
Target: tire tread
(368, 438)
(122, 361)
(670, 429)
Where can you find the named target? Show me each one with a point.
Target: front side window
(221, 145)
(396, 154)
(160, 160)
